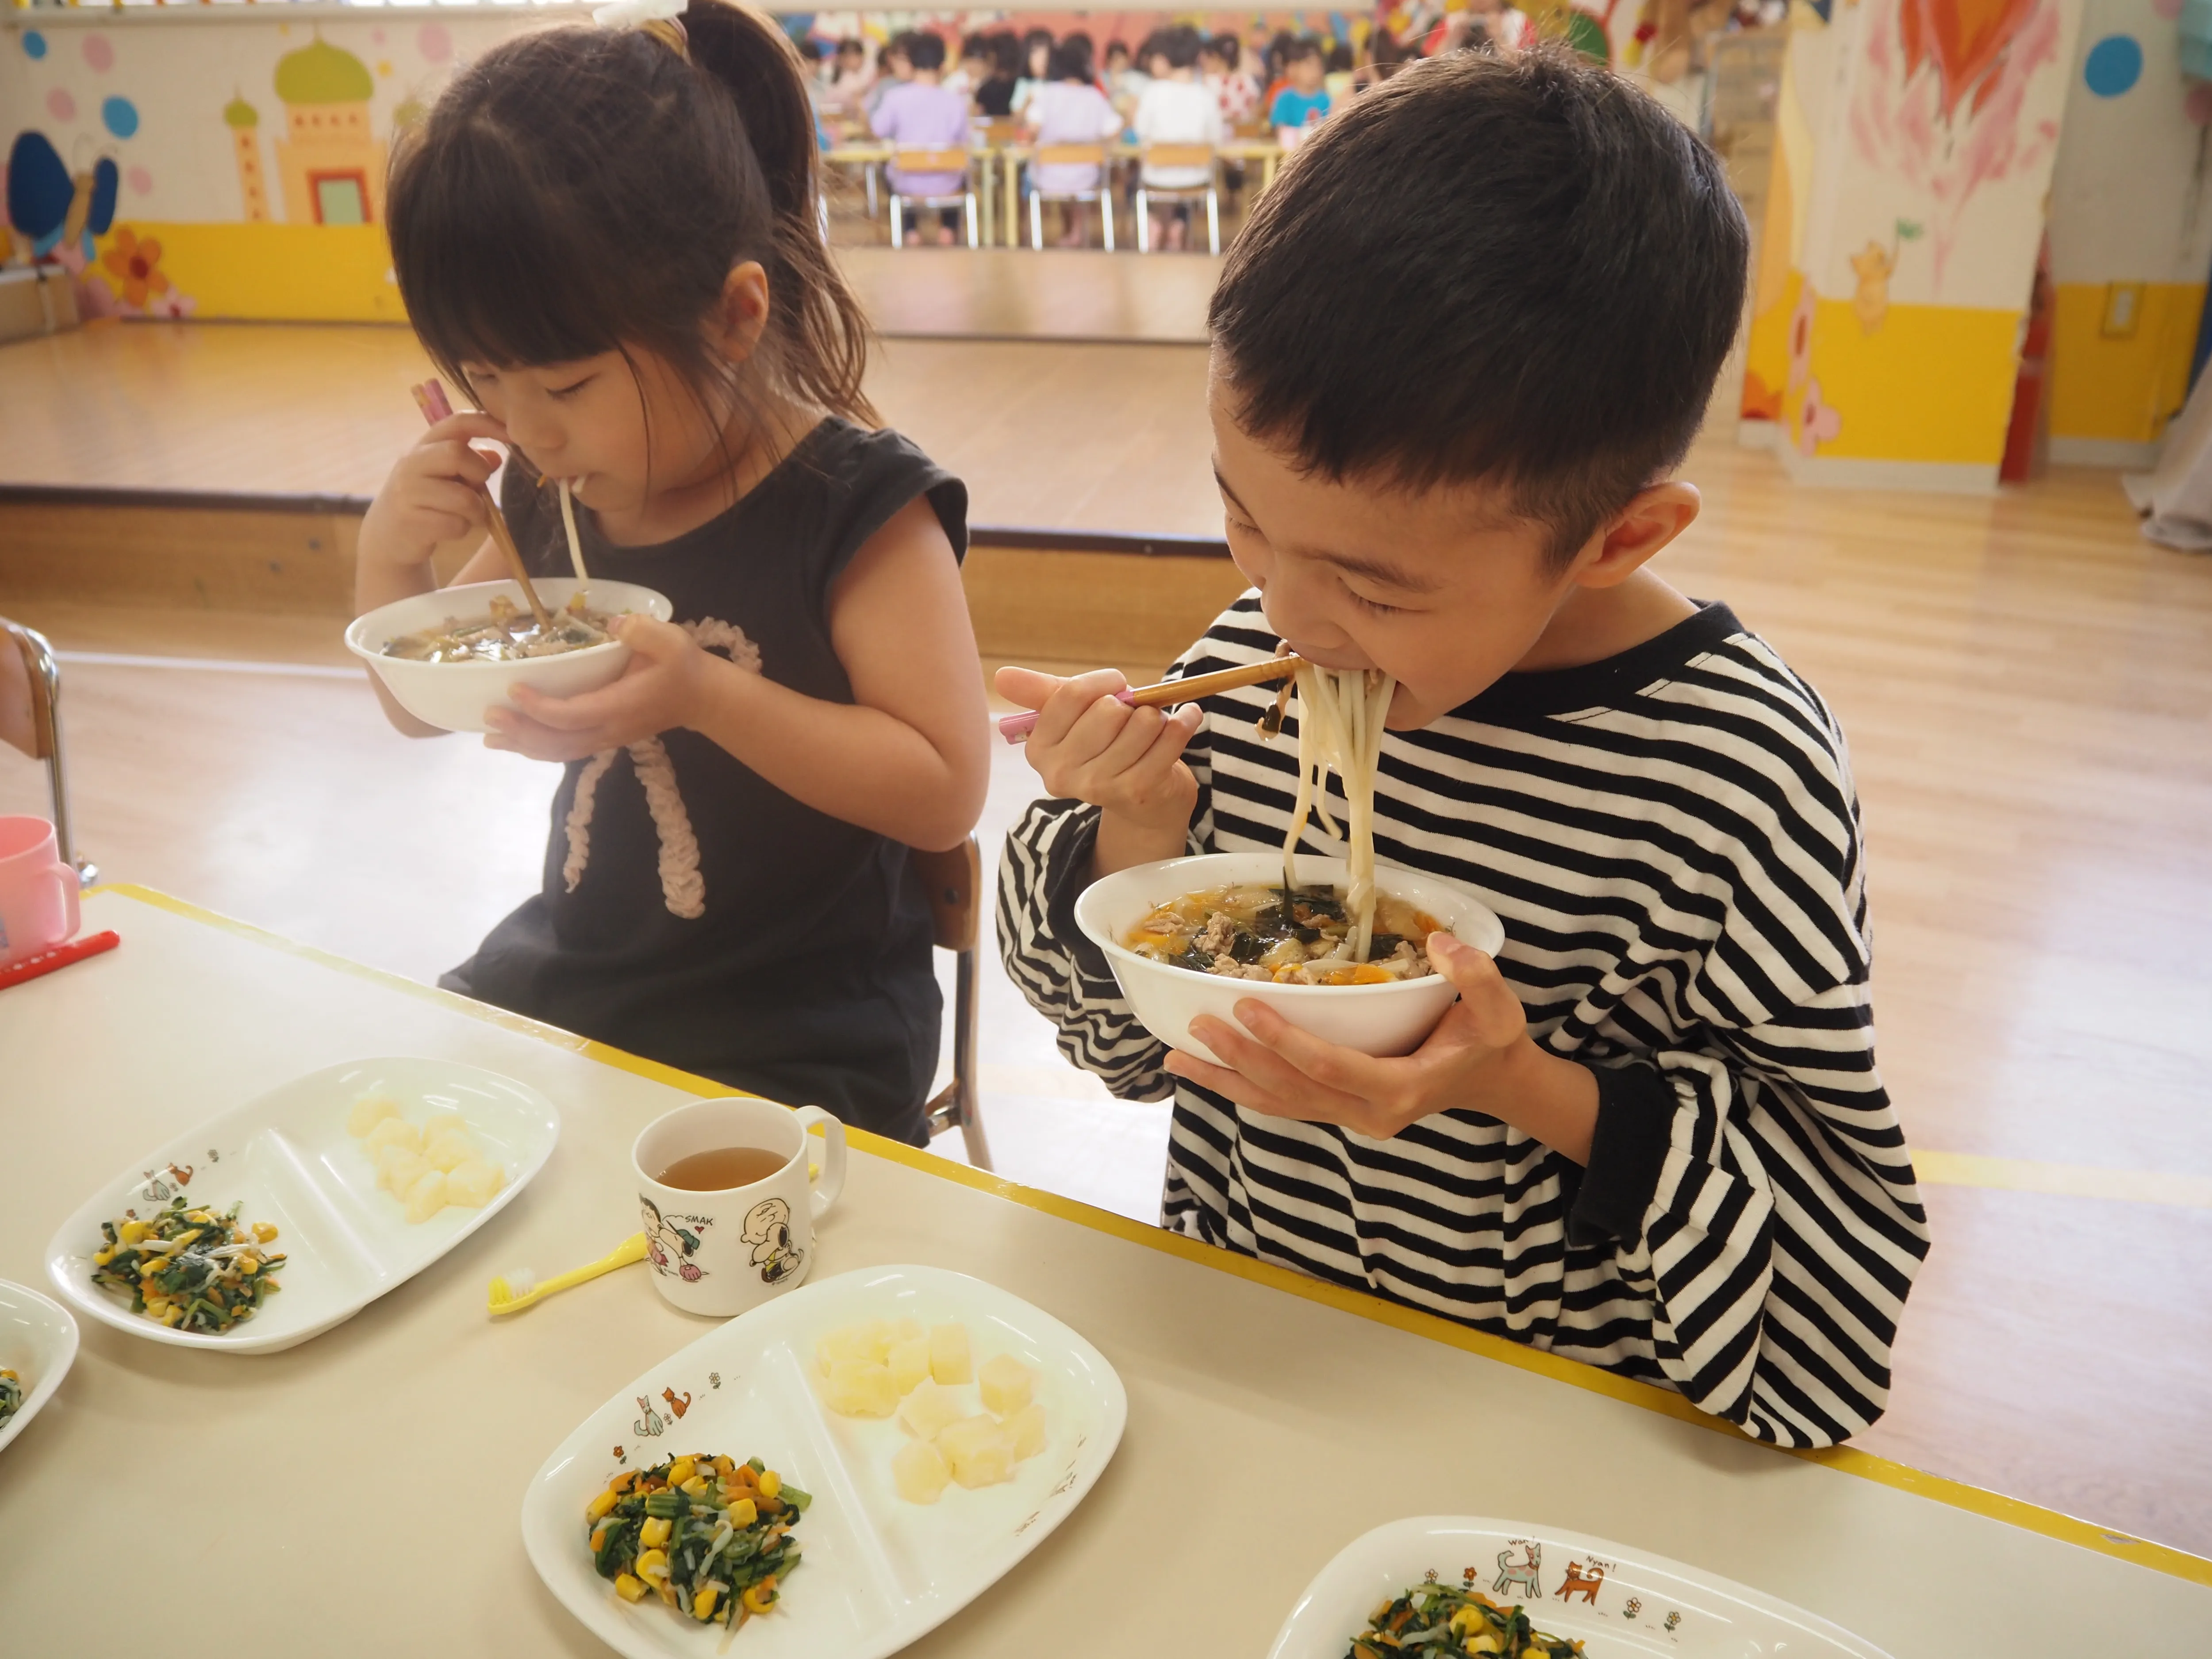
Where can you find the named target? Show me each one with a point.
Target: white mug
(725, 1252)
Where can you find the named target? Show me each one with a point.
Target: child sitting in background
(850, 80)
(1650, 1135)
(1175, 109)
(608, 238)
(1234, 94)
(918, 113)
(1338, 74)
(1037, 67)
(1069, 109)
(1302, 104)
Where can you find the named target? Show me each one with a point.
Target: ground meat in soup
(1252, 931)
(508, 635)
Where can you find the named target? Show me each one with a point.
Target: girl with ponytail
(610, 237)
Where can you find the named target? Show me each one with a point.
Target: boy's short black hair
(1513, 269)
(852, 44)
(1298, 51)
(925, 50)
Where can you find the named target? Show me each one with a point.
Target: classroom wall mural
(2130, 234)
(219, 167)
(1913, 150)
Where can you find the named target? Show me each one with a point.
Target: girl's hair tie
(661, 19)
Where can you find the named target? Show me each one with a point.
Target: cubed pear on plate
(398, 1168)
(392, 1132)
(473, 1184)
(1025, 1428)
(905, 1330)
(977, 1451)
(427, 1196)
(930, 1409)
(920, 1473)
(846, 1342)
(859, 1388)
(1005, 1384)
(369, 1111)
(909, 1362)
(448, 1150)
(950, 1362)
(442, 1123)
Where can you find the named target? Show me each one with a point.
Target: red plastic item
(60, 957)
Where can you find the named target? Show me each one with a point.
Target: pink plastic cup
(37, 892)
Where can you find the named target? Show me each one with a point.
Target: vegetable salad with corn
(189, 1267)
(1438, 1621)
(11, 1394)
(712, 1538)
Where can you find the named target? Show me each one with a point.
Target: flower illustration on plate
(135, 263)
(1818, 421)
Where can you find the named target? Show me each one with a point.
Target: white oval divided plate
(38, 1342)
(289, 1158)
(1616, 1600)
(878, 1572)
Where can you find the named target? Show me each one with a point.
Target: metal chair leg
(1212, 221)
(973, 240)
(1106, 212)
(899, 224)
(868, 179)
(1037, 222)
(1144, 223)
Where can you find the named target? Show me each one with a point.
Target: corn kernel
(653, 1566)
(264, 1231)
(249, 1265)
(771, 1484)
(703, 1605)
(101, 1258)
(681, 1470)
(629, 1589)
(135, 1231)
(200, 1218)
(653, 1534)
(743, 1512)
(696, 1486)
(599, 1505)
(762, 1596)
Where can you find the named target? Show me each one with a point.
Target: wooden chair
(1071, 156)
(1178, 155)
(43, 739)
(954, 881)
(932, 160)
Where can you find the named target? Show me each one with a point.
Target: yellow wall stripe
(2084, 1534)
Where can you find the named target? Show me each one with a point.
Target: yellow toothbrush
(519, 1287)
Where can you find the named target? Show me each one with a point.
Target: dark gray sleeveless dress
(693, 913)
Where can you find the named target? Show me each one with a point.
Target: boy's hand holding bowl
(1374, 1058)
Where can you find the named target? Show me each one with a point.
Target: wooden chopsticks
(430, 399)
(1016, 728)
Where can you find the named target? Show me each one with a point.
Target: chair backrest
(1178, 155)
(38, 669)
(1002, 129)
(930, 160)
(1053, 155)
(954, 882)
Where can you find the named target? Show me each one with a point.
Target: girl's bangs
(489, 275)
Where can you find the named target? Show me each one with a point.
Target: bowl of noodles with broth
(1336, 945)
(449, 656)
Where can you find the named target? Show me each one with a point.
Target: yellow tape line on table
(2012, 1511)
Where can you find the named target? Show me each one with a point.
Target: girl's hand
(1091, 747)
(668, 683)
(1479, 1058)
(433, 494)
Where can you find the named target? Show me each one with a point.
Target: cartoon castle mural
(329, 162)
(244, 124)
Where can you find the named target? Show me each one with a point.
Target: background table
(365, 1485)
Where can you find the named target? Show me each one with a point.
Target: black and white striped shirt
(1671, 838)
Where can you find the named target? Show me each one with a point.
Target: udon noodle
(508, 635)
(1341, 715)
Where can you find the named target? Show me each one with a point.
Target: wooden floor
(2027, 685)
(1061, 436)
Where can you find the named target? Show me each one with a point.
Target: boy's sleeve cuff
(1636, 1108)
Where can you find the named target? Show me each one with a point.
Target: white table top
(369, 1480)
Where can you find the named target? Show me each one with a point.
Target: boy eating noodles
(1457, 353)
